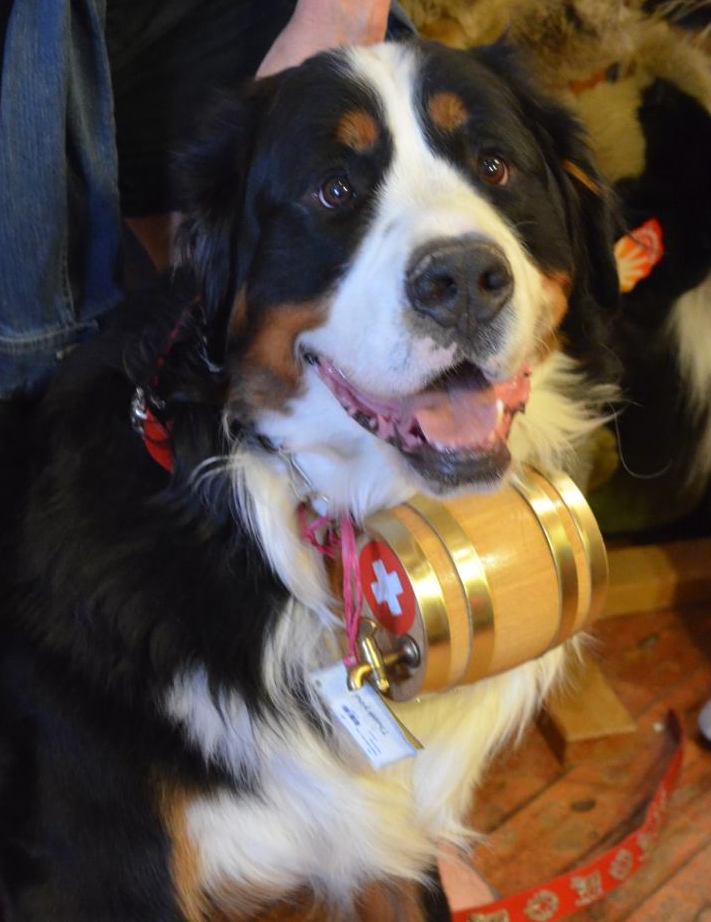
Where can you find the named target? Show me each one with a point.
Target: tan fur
(566, 41)
(268, 368)
(556, 288)
(468, 23)
(447, 111)
(671, 55)
(447, 31)
(184, 862)
(609, 112)
(238, 315)
(358, 130)
(377, 902)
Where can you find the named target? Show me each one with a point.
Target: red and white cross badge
(387, 588)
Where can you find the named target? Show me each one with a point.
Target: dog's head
(388, 241)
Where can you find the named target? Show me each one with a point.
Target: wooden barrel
(482, 582)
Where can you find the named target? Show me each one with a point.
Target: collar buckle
(139, 412)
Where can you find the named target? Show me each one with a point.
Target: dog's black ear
(211, 176)
(589, 204)
(593, 223)
(591, 210)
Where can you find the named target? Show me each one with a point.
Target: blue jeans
(60, 213)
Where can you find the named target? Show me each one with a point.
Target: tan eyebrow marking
(447, 111)
(358, 130)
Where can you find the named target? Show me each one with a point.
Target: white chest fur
(317, 816)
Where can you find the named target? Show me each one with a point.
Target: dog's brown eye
(336, 191)
(493, 170)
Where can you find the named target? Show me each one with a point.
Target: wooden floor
(544, 817)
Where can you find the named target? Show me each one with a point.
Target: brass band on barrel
(428, 592)
(553, 530)
(474, 655)
(591, 538)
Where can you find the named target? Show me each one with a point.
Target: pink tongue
(464, 418)
(457, 417)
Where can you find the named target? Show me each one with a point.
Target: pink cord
(345, 538)
(352, 588)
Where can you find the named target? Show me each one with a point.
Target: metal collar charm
(155, 436)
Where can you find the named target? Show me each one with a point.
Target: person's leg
(59, 214)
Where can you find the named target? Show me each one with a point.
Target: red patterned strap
(571, 892)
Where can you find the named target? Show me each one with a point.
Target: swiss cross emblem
(387, 588)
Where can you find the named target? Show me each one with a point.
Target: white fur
(319, 816)
(341, 460)
(264, 498)
(562, 412)
(690, 326)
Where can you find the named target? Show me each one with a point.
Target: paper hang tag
(366, 717)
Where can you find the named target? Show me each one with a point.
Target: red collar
(157, 441)
(156, 435)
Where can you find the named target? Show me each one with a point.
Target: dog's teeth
(364, 420)
(310, 358)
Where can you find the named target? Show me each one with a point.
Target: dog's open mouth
(454, 431)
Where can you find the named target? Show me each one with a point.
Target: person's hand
(317, 25)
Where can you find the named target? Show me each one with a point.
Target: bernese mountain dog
(387, 253)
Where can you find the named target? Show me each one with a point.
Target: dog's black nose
(459, 281)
